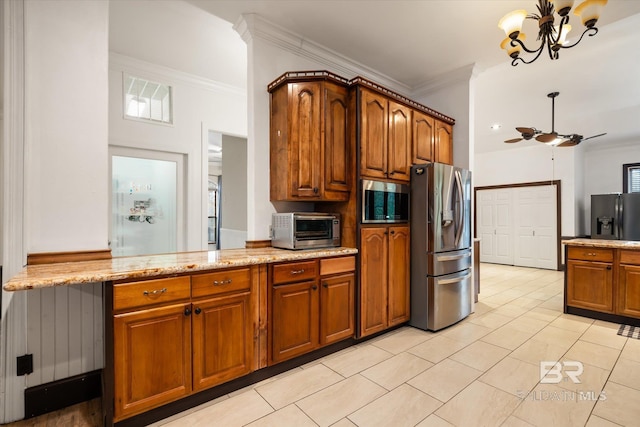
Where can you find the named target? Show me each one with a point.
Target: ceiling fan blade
(594, 136)
(526, 130)
(547, 137)
(568, 143)
(511, 141)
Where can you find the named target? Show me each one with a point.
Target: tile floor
(484, 371)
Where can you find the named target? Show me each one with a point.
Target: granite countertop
(73, 273)
(602, 243)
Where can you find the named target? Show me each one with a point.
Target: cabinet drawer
(150, 292)
(220, 282)
(590, 254)
(294, 271)
(629, 257)
(337, 265)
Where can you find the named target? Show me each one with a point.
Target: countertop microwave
(305, 230)
(384, 202)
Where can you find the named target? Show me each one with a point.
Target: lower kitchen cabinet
(629, 291)
(590, 279)
(384, 282)
(222, 339)
(310, 306)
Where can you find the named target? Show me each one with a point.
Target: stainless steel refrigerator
(441, 284)
(615, 216)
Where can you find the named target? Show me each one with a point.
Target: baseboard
(55, 395)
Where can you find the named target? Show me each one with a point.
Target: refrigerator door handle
(453, 257)
(456, 280)
(462, 207)
(618, 222)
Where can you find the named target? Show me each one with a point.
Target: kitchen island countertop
(145, 266)
(602, 243)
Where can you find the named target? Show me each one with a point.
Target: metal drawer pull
(297, 271)
(454, 257)
(591, 254)
(156, 292)
(221, 282)
(456, 280)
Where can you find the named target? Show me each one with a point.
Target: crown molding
(252, 26)
(120, 62)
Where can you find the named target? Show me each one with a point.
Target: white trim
(119, 62)
(460, 75)
(13, 338)
(251, 26)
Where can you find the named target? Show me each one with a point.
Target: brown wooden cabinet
(384, 284)
(443, 144)
(590, 278)
(628, 289)
(310, 306)
(176, 336)
(310, 144)
(385, 137)
(423, 138)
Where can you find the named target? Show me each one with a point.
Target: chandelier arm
(593, 31)
(518, 41)
(539, 52)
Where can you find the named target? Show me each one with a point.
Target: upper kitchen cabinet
(310, 144)
(432, 139)
(385, 137)
(444, 142)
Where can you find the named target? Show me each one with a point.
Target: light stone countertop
(134, 267)
(602, 243)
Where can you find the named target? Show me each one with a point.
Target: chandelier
(552, 37)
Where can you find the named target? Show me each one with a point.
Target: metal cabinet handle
(590, 254)
(314, 287)
(297, 271)
(198, 310)
(155, 292)
(325, 284)
(187, 311)
(608, 267)
(222, 282)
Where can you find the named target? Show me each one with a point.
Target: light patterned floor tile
(558, 337)
(235, 411)
(361, 358)
(491, 320)
(507, 337)
(527, 324)
(534, 352)
(513, 376)
(339, 400)
(542, 314)
(445, 380)
(396, 370)
(604, 335)
(551, 405)
(467, 332)
(595, 421)
(480, 355)
(627, 373)
(403, 406)
(345, 422)
(631, 350)
(515, 422)
(478, 404)
(593, 354)
(403, 340)
(437, 349)
(621, 405)
(288, 416)
(294, 387)
(572, 323)
(434, 421)
(592, 379)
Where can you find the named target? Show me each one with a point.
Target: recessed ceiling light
(496, 126)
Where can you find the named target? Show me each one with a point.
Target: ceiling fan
(568, 140)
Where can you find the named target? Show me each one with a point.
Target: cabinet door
(336, 308)
(294, 320)
(399, 146)
(336, 143)
(629, 291)
(373, 135)
(152, 358)
(373, 280)
(423, 137)
(304, 143)
(222, 339)
(399, 275)
(444, 142)
(590, 285)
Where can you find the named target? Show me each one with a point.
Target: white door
(494, 220)
(535, 226)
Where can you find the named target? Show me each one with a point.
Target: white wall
(233, 233)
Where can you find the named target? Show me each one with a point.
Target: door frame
(557, 183)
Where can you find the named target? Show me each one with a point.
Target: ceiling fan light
(511, 23)
(512, 51)
(563, 7)
(589, 11)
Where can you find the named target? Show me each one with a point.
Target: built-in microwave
(305, 230)
(384, 202)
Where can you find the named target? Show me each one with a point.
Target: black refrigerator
(615, 216)
(441, 284)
